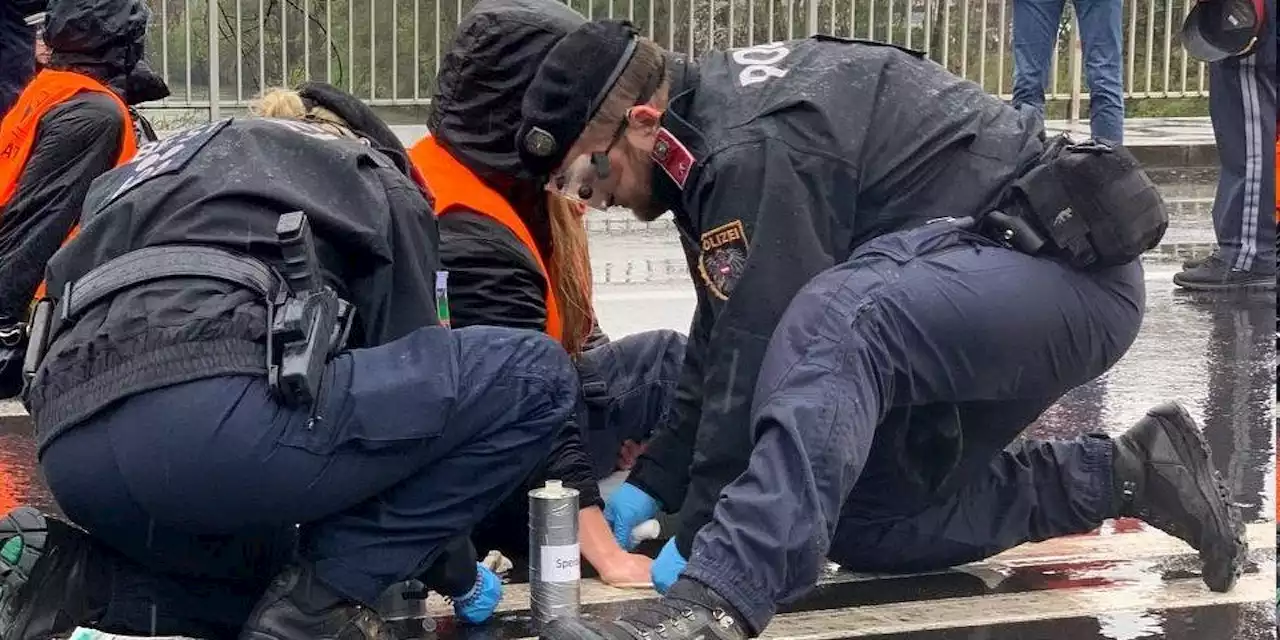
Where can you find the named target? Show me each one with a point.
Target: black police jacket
(797, 153)
(225, 185)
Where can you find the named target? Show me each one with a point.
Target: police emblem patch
(723, 258)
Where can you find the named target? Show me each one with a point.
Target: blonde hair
(287, 104)
(570, 271)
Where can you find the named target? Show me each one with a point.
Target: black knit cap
(571, 83)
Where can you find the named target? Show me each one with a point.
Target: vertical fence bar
(812, 19)
(671, 24)
(1004, 30)
(771, 37)
(1131, 42)
(1073, 111)
(373, 39)
(910, 18)
(1186, 6)
(711, 24)
(417, 50)
(946, 33)
(239, 54)
(186, 30)
(732, 27)
(692, 52)
(964, 42)
(395, 50)
(164, 42)
(328, 41)
(306, 40)
(1168, 43)
(982, 42)
(351, 47)
(1151, 38)
(215, 83)
(284, 44)
(262, 48)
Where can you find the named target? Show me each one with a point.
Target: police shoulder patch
(723, 257)
(159, 158)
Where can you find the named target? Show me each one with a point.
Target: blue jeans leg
(1101, 34)
(1035, 34)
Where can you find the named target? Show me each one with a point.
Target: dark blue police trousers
(627, 390)
(415, 441)
(628, 386)
(885, 408)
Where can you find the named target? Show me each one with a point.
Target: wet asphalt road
(1216, 354)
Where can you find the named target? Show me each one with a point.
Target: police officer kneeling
(245, 337)
(860, 363)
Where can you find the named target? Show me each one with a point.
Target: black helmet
(97, 31)
(1218, 29)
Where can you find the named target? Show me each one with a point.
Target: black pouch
(1092, 203)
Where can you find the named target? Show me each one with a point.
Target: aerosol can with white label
(555, 560)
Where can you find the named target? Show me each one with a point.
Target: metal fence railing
(388, 51)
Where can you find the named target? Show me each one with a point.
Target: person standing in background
(1238, 40)
(17, 49)
(1035, 35)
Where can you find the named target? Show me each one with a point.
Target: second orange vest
(18, 129)
(456, 188)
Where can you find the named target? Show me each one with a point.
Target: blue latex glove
(667, 567)
(478, 604)
(625, 510)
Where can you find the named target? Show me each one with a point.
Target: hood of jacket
(493, 58)
(101, 38)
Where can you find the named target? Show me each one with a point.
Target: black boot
(299, 607)
(53, 577)
(689, 610)
(1165, 477)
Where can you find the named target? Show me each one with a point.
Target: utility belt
(307, 322)
(1089, 204)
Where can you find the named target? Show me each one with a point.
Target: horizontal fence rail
(388, 51)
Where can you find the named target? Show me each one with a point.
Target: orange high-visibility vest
(18, 129)
(456, 188)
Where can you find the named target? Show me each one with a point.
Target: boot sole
(1250, 285)
(31, 527)
(32, 605)
(1223, 561)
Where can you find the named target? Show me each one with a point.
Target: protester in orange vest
(518, 258)
(70, 125)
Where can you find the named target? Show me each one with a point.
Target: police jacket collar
(684, 82)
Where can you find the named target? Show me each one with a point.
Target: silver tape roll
(555, 560)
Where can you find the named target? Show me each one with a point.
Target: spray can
(555, 561)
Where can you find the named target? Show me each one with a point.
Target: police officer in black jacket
(896, 274)
(184, 409)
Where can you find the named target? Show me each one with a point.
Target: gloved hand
(667, 567)
(625, 510)
(478, 604)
